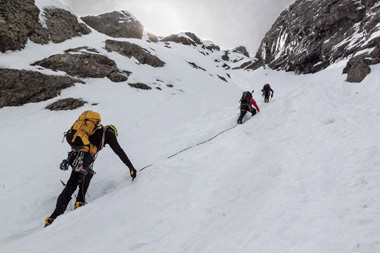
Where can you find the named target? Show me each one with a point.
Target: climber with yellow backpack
(86, 138)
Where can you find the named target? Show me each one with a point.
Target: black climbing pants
(243, 110)
(76, 179)
(266, 96)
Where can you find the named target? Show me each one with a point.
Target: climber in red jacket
(246, 105)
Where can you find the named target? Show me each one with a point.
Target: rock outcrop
(19, 21)
(66, 104)
(62, 25)
(311, 35)
(190, 39)
(241, 50)
(18, 87)
(186, 38)
(211, 47)
(84, 65)
(81, 49)
(357, 69)
(141, 86)
(250, 65)
(117, 24)
(192, 64)
(133, 50)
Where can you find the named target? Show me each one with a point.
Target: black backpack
(245, 97)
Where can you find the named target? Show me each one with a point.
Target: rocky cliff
(42, 22)
(20, 21)
(18, 87)
(117, 24)
(311, 35)
(23, 20)
(307, 37)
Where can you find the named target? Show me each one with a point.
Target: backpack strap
(101, 144)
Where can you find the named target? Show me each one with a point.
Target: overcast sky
(228, 23)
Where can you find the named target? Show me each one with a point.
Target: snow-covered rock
(117, 24)
(18, 87)
(311, 35)
(21, 20)
(302, 175)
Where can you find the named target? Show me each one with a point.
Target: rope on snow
(198, 144)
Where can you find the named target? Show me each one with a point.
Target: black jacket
(110, 138)
(267, 90)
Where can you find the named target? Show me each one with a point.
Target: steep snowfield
(300, 176)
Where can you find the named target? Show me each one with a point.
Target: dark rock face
(141, 86)
(18, 87)
(179, 39)
(66, 104)
(225, 56)
(189, 39)
(62, 25)
(358, 68)
(19, 20)
(194, 38)
(222, 78)
(79, 49)
(212, 47)
(116, 24)
(133, 50)
(226, 66)
(119, 76)
(250, 65)
(192, 64)
(242, 50)
(311, 35)
(84, 65)
(231, 58)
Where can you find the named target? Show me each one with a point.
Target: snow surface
(300, 176)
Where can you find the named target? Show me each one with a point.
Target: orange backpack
(78, 135)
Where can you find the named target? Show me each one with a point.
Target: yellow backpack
(78, 135)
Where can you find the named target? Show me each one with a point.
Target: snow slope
(301, 176)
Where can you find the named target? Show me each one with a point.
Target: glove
(133, 173)
(64, 165)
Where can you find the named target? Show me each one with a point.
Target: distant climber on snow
(267, 90)
(246, 105)
(86, 138)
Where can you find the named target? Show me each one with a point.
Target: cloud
(228, 23)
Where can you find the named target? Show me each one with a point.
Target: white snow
(300, 176)
(280, 45)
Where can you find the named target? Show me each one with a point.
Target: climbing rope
(195, 145)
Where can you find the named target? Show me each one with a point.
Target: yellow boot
(79, 204)
(48, 221)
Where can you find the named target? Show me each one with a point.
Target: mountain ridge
(311, 35)
(299, 176)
